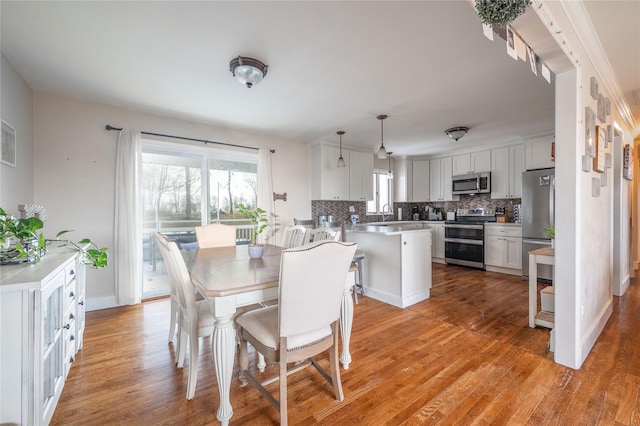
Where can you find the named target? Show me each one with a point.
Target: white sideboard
(41, 329)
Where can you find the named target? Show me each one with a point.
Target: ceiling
(332, 66)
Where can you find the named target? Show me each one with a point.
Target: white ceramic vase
(255, 252)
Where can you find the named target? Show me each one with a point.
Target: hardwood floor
(465, 356)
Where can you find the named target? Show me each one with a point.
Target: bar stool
(357, 259)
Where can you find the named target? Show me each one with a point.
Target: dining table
(229, 279)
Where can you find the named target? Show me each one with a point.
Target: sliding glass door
(183, 188)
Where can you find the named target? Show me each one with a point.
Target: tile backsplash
(340, 209)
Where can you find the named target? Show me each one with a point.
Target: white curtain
(265, 192)
(128, 235)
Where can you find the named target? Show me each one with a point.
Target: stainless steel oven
(464, 237)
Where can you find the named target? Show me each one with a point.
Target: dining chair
(215, 235)
(305, 322)
(173, 295)
(195, 319)
(323, 233)
(294, 236)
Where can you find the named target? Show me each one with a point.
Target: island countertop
(391, 229)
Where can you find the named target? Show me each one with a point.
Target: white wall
(16, 183)
(75, 171)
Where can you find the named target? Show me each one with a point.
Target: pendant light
(341, 160)
(389, 173)
(382, 153)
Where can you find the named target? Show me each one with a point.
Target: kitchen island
(397, 266)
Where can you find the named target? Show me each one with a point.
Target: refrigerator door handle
(538, 242)
(552, 197)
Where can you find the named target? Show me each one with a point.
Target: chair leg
(261, 362)
(193, 366)
(183, 341)
(360, 280)
(335, 368)
(243, 360)
(172, 324)
(283, 382)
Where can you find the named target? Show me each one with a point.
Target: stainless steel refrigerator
(538, 213)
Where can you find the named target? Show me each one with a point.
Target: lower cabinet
(42, 321)
(503, 248)
(437, 241)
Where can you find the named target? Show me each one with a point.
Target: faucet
(386, 205)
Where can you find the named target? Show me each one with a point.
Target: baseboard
(438, 260)
(101, 303)
(595, 330)
(510, 271)
(397, 301)
(623, 286)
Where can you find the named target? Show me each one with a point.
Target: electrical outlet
(352, 209)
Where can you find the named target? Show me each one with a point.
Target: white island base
(397, 265)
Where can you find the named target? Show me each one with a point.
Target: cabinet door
(360, 172)
(329, 181)
(538, 153)
(462, 164)
(435, 181)
(493, 250)
(500, 173)
(446, 178)
(512, 254)
(437, 234)
(481, 161)
(516, 167)
(420, 181)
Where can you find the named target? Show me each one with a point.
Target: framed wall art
(602, 116)
(607, 106)
(8, 144)
(589, 132)
(599, 159)
(594, 88)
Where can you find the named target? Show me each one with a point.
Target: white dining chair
(319, 234)
(173, 295)
(305, 322)
(294, 236)
(215, 235)
(195, 319)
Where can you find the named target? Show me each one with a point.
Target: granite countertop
(392, 229)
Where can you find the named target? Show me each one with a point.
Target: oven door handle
(463, 241)
(464, 226)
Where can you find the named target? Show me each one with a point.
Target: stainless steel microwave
(473, 183)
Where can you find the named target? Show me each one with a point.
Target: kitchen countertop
(390, 229)
(503, 224)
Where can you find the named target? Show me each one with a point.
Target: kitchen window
(382, 194)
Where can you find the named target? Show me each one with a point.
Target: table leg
(346, 320)
(223, 346)
(533, 289)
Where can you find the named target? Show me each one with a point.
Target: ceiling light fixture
(382, 153)
(456, 133)
(341, 160)
(389, 173)
(248, 71)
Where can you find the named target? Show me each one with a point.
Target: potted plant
(259, 221)
(551, 233)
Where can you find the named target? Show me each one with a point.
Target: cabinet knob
(81, 303)
(68, 326)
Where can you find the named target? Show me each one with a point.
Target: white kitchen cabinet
(402, 179)
(41, 326)
(507, 165)
(503, 248)
(473, 162)
(440, 182)
(437, 241)
(328, 181)
(360, 175)
(538, 153)
(420, 180)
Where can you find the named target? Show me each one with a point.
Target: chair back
(307, 223)
(163, 245)
(312, 279)
(324, 233)
(294, 236)
(215, 235)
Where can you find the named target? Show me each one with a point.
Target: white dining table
(228, 278)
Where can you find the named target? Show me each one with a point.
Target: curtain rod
(204, 141)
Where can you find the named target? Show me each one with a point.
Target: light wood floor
(465, 356)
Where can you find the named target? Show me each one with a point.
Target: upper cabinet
(507, 165)
(474, 162)
(360, 176)
(328, 182)
(440, 182)
(539, 153)
(420, 180)
(402, 179)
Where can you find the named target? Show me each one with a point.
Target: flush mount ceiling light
(341, 160)
(456, 133)
(382, 153)
(248, 71)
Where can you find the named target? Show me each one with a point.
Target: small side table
(542, 256)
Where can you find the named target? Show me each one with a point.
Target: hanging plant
(500, 13)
